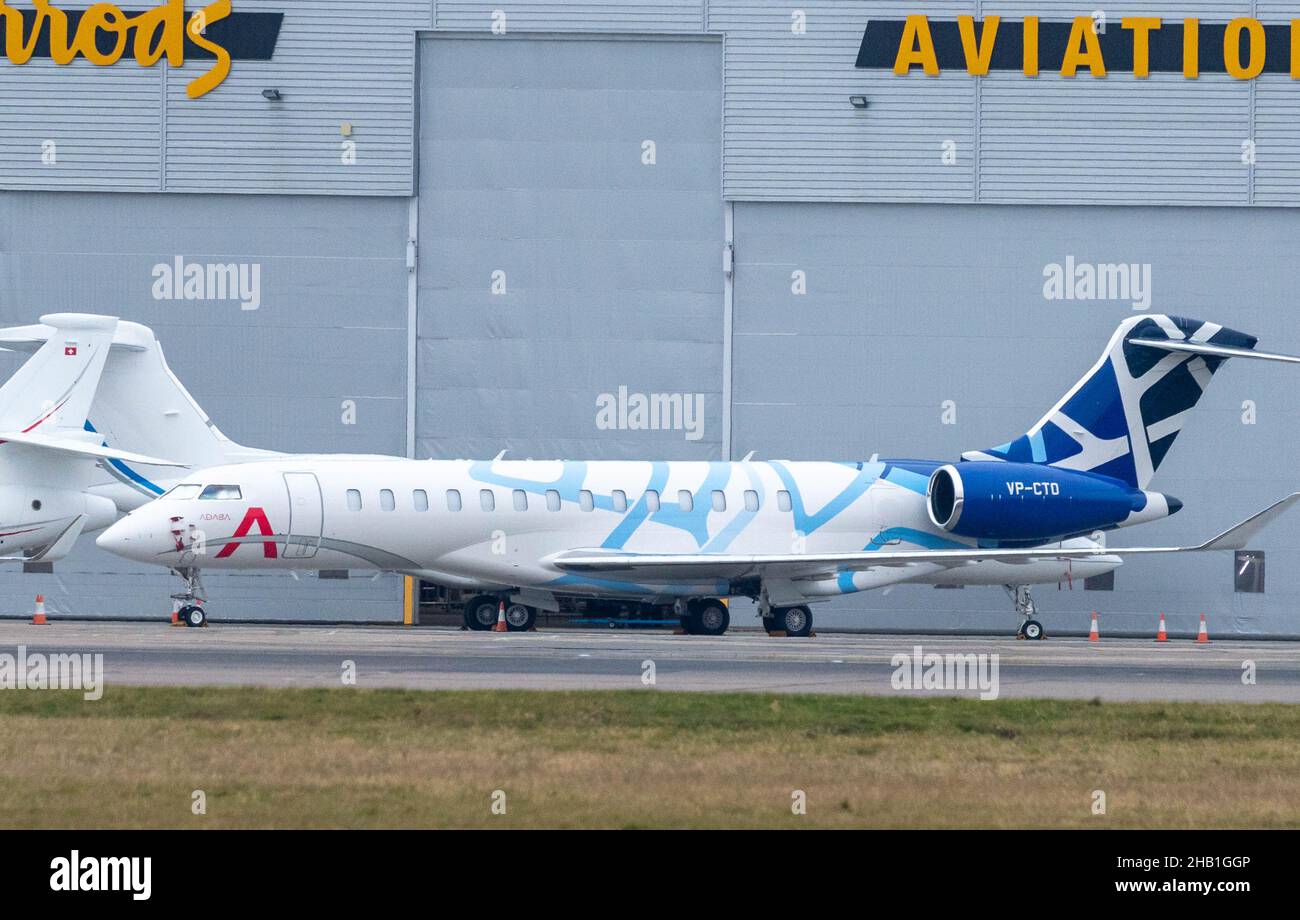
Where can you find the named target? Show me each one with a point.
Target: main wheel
(795, 621)
(1032, 629)
(711, 618)
(194, 616)
(520, 618)
(481, 612)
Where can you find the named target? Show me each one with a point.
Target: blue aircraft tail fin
(1121, 419)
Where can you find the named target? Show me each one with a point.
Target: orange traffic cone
(1203, 637)
(501, 618)
(38, 618)
(176, 613)
(1092, 635)
(1161, 634)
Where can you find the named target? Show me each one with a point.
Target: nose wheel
(193, 616)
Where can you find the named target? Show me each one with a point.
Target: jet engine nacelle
(1033, 503)
(36, 506)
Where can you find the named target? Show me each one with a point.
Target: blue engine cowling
(1030, 502)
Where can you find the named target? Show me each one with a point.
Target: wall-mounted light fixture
(858, 102)
(272, 94)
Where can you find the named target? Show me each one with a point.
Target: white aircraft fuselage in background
(48, 460)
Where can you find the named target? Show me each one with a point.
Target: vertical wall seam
(978, 127)
(728, 325)
(1251, 131)
(162, 127)
(412, 315)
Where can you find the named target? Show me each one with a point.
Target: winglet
(62, 545)
(1238, 536)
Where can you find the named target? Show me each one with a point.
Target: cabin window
(453, 499)
(220, 493)
(420, 500)
(719, 500)
(751, 500)
(620, 500)
(354, 499)
(585, 501)
(183, 492)
(652, 500)
(552, 500)
(783, 500)
(386, 500)
(487, 499)
(520, 498)
(685, 500)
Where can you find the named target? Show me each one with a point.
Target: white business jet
(690, 534)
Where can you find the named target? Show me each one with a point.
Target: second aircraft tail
(140, 405)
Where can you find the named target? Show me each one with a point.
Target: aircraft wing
(794, 565)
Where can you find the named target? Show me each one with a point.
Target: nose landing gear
(188, 604)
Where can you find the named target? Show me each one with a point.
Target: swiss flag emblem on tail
(69, 350)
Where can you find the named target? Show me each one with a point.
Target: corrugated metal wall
(903, 312)
(127, 128)
(571, 15)
(79, 126)
(789, 131)
(607, 269)
(331, 326)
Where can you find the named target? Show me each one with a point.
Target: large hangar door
(570, 247)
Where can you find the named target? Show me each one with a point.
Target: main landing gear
(189, 603)
(793, 621)
(704, 616)
(481, 614)
(1030, 628)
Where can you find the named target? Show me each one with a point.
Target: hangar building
(472, 221)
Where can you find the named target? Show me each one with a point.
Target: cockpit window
(220, 493)
(185, 490)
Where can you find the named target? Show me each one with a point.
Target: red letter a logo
(254, 516)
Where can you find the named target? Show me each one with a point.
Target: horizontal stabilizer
(82, 449)
(1214, 351)
(804, 565)
(126, 337)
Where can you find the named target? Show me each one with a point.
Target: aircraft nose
(125, 538)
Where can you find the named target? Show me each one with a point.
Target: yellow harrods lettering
(150, 34)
